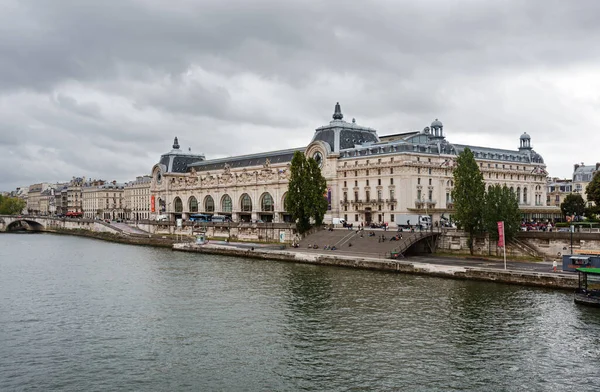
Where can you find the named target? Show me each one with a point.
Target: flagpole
(504, 247)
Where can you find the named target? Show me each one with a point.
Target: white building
(136, 196)
(370, 178)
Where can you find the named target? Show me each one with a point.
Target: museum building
(370, 178)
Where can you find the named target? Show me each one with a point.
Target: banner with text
(152, 205)
(500, 234)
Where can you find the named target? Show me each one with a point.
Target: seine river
(85, 315)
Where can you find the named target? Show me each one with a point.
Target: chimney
(575, 167)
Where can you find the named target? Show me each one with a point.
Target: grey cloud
(115, 78)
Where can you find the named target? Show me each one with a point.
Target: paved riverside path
(370, 247)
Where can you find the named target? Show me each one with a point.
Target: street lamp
(572, 230)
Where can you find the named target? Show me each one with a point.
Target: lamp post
(572, 230)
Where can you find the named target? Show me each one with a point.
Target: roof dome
(437, 124)
(525, 136)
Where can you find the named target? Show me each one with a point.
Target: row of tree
(11, 205)
(575, 205)
(477, 210)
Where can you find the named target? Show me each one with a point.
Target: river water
(79, 314)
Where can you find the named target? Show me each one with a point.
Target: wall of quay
(525, 278)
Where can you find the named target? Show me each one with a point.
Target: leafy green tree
(319, 188)
(573, 205)
(11, 205)
(593, 189)
(501, 204)
(468, 195)
(306, 188)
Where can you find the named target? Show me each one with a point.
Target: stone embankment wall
(547, 245)
(550, 280)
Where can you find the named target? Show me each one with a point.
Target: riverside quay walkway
(522, 273)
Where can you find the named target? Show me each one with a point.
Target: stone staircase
(349, 241)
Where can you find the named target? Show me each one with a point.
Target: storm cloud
(100, 89)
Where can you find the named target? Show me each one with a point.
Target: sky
(100, 88)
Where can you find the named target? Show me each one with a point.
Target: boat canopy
(593, 271)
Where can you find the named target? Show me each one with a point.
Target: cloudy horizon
(101, 89)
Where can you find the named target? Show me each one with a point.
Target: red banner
(152, 208)
(501, 234)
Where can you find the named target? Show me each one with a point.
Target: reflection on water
(80, 314)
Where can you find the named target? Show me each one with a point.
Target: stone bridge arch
(18, 224)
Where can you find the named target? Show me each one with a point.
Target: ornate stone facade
(370, 178)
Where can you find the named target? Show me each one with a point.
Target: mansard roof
(274, 157)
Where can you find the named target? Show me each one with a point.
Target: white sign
(179, 223)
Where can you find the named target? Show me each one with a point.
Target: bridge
(47, 223)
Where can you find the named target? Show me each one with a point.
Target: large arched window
(209, 204)
(519, 194)
(193, 204)
(525, 195)
(282, 208)
(266, 202)
(226, 204)
(178, 205)
(246, 203)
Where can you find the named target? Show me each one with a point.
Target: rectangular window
(419, 181)
(430, 181)
(368, 196)
(391, 194)
(418, 170)
(392, 216)
(419, 194)
(355, 173)
(429, 171)
(355, 196)
(345, 174)
(379, 171)
(391, 181)
(391, 170)
(355, 183)
(379, 194)
(345, 196)
(367, 182)
(367, 172)
(379, 217)
(345, 185)
(379, 181)
(346, 217)
(430, 196)
(355, 217)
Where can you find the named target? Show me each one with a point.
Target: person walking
(554, 265)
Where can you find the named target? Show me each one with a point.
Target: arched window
(524, 195)
(246, 203)
(282, 208)
(226, 203)
(266, 203)
(519, 194)
(193, 204)
(209, 204)
(178, 205)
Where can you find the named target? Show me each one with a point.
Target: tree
(593, 189)
(468, 195)
(11, 205)
(501, 204)
(573, 205)
(306, 188)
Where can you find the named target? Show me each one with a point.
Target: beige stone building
(558, 189)
(103, 201)
(582, 176)
(370, 178)
(136, 196)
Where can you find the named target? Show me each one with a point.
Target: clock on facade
(318, 158)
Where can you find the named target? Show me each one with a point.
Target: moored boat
(588, 292)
